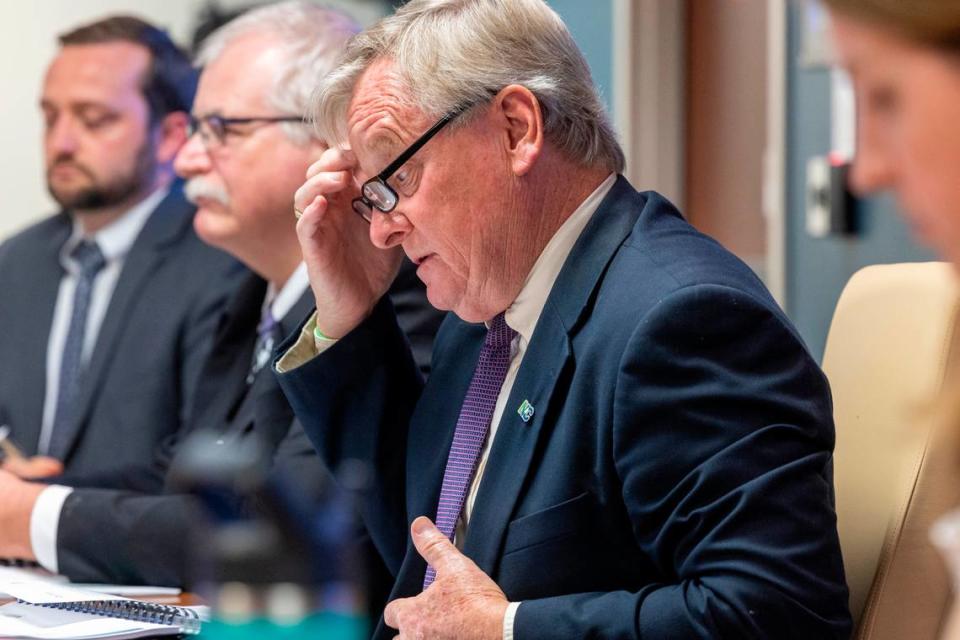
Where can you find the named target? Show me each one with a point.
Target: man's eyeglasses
(376, 193)
(213, 129)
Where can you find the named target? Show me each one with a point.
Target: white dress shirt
(45, 517)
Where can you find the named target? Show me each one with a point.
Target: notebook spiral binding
(186, 620)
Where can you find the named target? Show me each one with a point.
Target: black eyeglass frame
(376, 188)
(219, 130)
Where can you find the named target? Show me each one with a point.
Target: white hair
(311, 38)
(450, 53)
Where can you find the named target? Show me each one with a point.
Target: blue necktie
(90, 260)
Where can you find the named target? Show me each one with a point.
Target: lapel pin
(525, 411)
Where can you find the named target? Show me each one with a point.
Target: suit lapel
(37, 320)
(169, 221)
(548, 355)
(264, 393)
(513, 447)
(222, 384)
(223, 399)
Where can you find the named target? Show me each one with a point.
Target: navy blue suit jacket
(675, 478)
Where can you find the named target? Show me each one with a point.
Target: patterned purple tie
(472, 427)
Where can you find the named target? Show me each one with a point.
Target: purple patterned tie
(472, 427)
(268, 336)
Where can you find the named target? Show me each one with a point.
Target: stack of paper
(35, 615)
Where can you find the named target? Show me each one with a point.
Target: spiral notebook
(45, 609)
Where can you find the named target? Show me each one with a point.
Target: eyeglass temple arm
(422, 140)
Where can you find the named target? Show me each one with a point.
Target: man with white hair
(623, 436)
(249, 150)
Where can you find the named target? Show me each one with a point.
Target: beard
(97, 193)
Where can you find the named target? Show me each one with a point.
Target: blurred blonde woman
(904, 59)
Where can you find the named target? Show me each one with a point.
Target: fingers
(435, 547)
(331, 174)
(35, 467)
(391, 614)
(333, 159)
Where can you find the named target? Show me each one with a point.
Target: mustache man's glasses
(213, 129)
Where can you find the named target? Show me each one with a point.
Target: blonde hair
(934, 23)
(450, 53)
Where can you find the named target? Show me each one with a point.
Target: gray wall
(817, 269)
(591, 23)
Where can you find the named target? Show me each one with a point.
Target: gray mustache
(197, 188)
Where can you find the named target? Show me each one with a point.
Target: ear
(522, 120)
(170, 134)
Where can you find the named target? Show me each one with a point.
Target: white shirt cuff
(44, 523)
(508, 617)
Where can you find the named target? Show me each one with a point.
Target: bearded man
(109, 306)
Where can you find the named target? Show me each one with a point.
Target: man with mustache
(248, 152)
(108, 307)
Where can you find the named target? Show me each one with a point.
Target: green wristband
(317, 334)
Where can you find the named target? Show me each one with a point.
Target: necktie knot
(267, 323)
(89, 257)
(268, 335)
(499, 334)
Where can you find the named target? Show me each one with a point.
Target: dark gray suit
(149, 533)
(156, 334)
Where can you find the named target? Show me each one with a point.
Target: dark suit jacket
(148, 533)
(156, 334)
(675, 479)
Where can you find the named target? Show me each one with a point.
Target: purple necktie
(472, 427)
(268, 335)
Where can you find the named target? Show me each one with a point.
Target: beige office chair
(897, 460)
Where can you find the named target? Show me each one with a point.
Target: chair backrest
(896, 464)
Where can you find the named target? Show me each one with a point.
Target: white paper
(19, 620)
(37, 590)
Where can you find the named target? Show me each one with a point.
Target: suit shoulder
(664, 254)
(37, 234)
(193, 256)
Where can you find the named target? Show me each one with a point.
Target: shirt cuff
(44, 523)
(306, 348)
(508, 617)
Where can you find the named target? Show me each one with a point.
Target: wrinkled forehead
(381, 117)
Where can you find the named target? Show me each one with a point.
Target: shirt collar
(281, 302)
(115, 239)
(523, 313)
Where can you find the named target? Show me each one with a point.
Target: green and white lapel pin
(525, 411)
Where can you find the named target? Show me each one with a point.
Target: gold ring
(297, 213)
